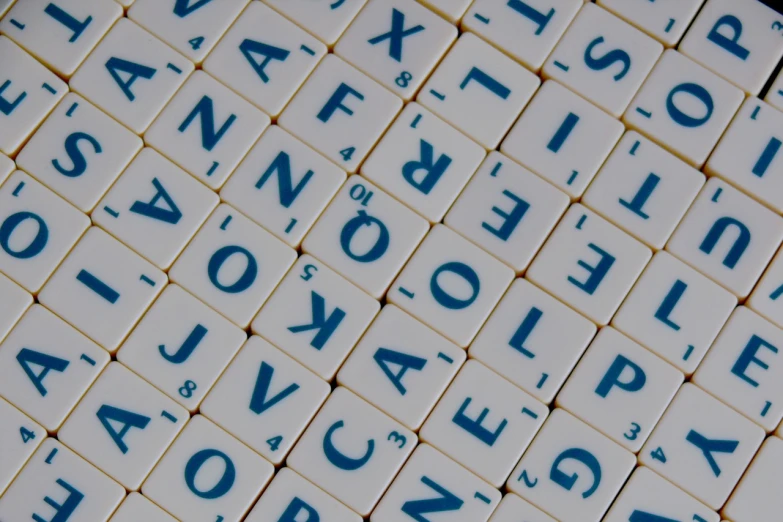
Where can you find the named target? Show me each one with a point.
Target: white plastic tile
(748, 233)
(683, 107)
(155, 208)
(131, 75)
(766, 295)
(102, 288)
(315, 316)
(5, 5)
(644, 189)
(674, 311)
(79, 152)
(396, 42)
(512, 507)
(206, 129)
(27, 93)
(325, 20)
(352, 451)
(136, 507)
(563, 138)
(14, 300)
(233, 265)
(340, 112)
(37, 230)
(181, 346)
(401, 367)
(589, 263)
(507, 210)
(365, 235)
(265, 399)
(451, 285)
(774, 95)
(283, 185)
(7, 166)
(479, 90)
(756, 498)
(702, 446)
(484, 422)
(19, 437)
(451, 10)
(546, 478)
(60, 35)
(207, 475)
(664, 21)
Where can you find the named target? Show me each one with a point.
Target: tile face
(748, 233)
(37, 230)
(775, 93)
(451, 10)
(507, 210)
(19, 437)
(326, 21)
(479, 90)
(136, 507)
(155, 208)
(207, 474)
(14, 300)
(27, 94)
(562, 138)
(664, 21)
(131, 75)
(283, 185)
(395, 345)
(755, 498)
(512, 507)
(102, 288)
(315, 316)
(340, 112)
(181, 346)
(765, 296)
(265, 399)
(484, 422)
(702, 446)
(61, 35)
(7, 166)
(352, 451)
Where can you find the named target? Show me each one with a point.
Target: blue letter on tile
(748, 357)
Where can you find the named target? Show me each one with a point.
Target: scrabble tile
(479, 90)
(544, 475)
(283, 185)
(181, 346)
(401, 367)
(102, 288)
(212, 148)
(37, 230)
(603, 58)
(7, 166)
(764, 299)
(233, 265)
(57, 483)
(755, 498)
(702, 446)
(326, 21)
(647, 496)
(620, 389)
(512, 507)
(365, 235)
(533, 340)
(340, 112)
(507, 210)
(745, 156)
(451, 10)
(674, 311)
(484, 422)
(451, 285)
(352, 451)
(136, 507)
(644, 189)
(131, 75)
(774, 95)
(27, 94)
(19, 437)
(396, 42)
(264, 57)
(739, 40)
(589, 263)
(563, 138)
(155, 208)
(60, 35)
(740, 372)
(722, 210)
(526, 30)
(14, 300)
(265, 399)
(207, 475)
(46, 367)
(125, 3)
(664, 21)
(683, 107)
(423, 161)
(79, 152)
(428, 472)
(290, 497)
(5, 5)
(123, 426)
(315, 316)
